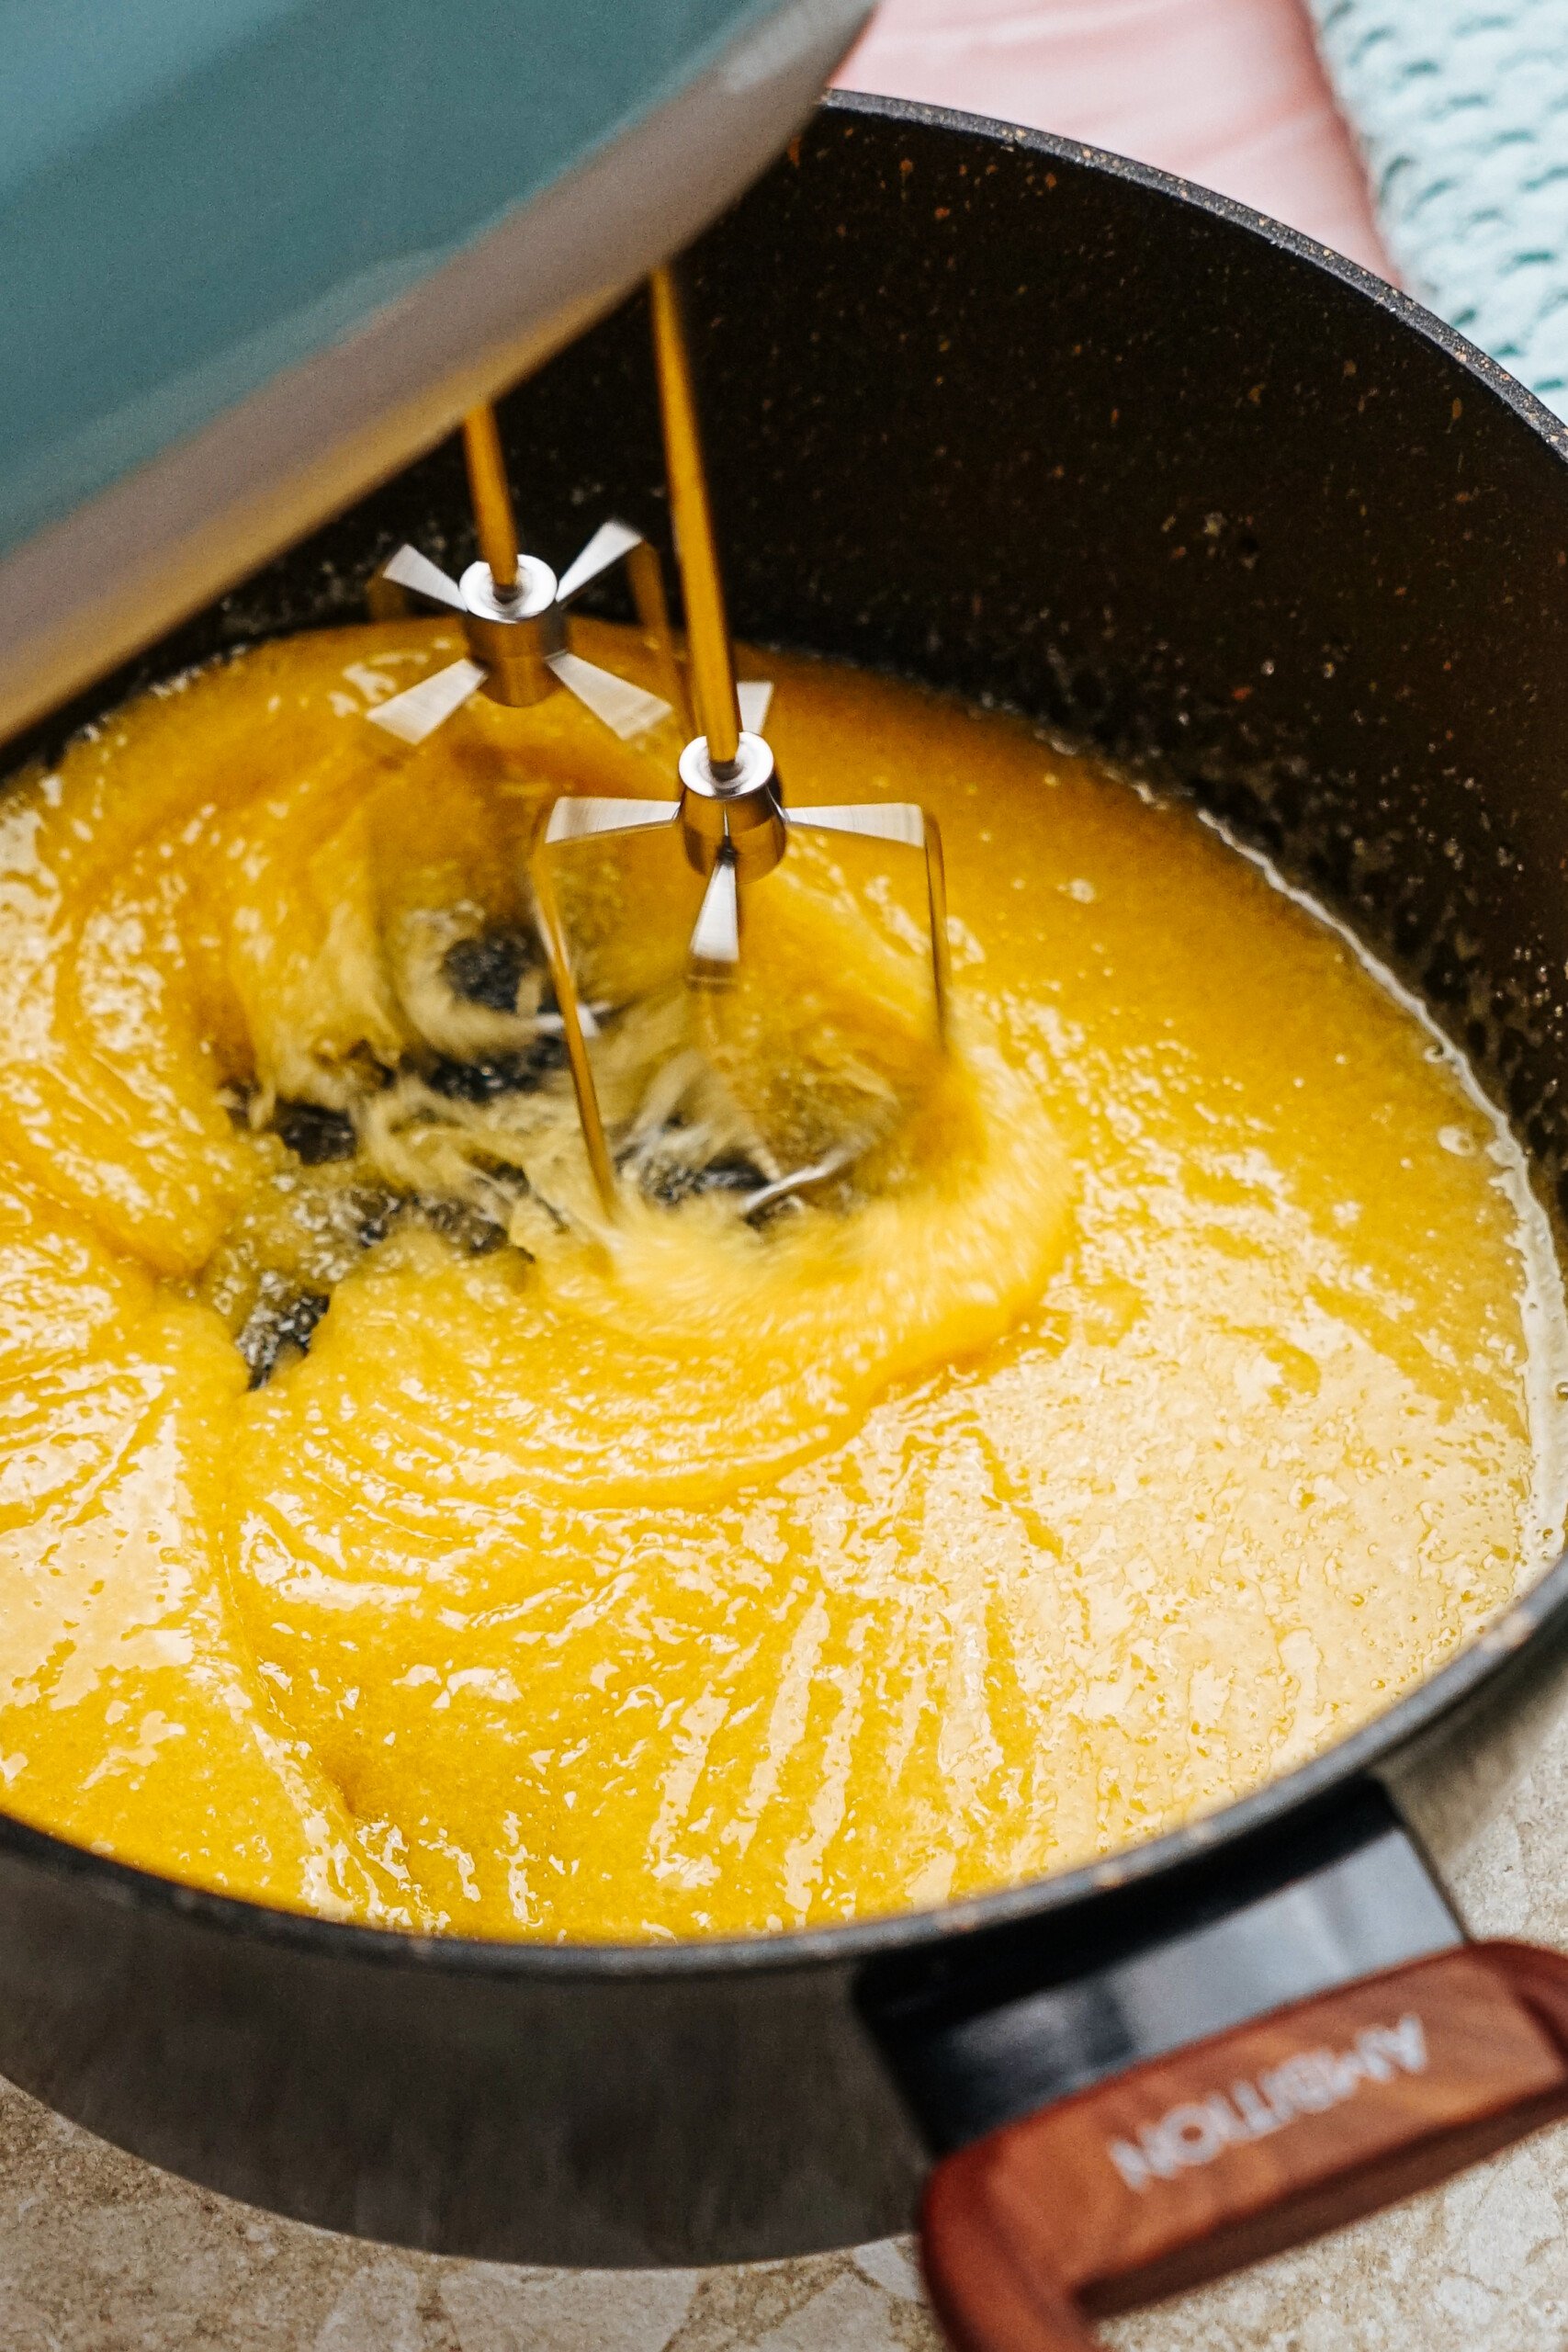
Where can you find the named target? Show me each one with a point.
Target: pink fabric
(1225, 92)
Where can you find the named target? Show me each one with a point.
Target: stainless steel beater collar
(736, 818)
(516, 638)
(752, 770)
(533, 597)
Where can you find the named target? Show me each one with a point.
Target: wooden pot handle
(1196, 2163)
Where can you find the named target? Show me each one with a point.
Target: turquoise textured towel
(1461, 113)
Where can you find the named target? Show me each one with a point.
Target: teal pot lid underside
(198, 194)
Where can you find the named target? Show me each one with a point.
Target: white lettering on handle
(1199, 2129)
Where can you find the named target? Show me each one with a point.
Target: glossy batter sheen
(1172, 1382)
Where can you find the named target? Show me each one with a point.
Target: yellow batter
(1170, 1380)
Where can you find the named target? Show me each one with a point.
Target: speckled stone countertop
(99, 2253)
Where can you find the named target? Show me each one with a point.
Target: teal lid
(196, 194)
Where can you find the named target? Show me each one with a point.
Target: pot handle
(1198, 2162)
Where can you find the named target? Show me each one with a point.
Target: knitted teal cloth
(1460, 110)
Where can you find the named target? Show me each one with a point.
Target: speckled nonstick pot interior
(1042, 427)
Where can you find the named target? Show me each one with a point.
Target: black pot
(1041, 426)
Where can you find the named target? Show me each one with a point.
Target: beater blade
(582, 818)
(755, 698)
(420, 710)
(910, 827)
(611, 543)
(408, 569)
(715, 950)
(627, 710)
(800, 1180)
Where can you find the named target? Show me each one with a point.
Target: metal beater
(731, 816)
(514, 611)
(730, 813)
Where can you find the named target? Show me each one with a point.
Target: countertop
(1229, 93)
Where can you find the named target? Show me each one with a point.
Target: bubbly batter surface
(1169, 1382)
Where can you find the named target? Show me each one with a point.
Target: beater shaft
(493, 517)
(707, 630)
(645, 574)
(552, 938)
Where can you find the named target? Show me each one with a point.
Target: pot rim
(1531, 1615)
